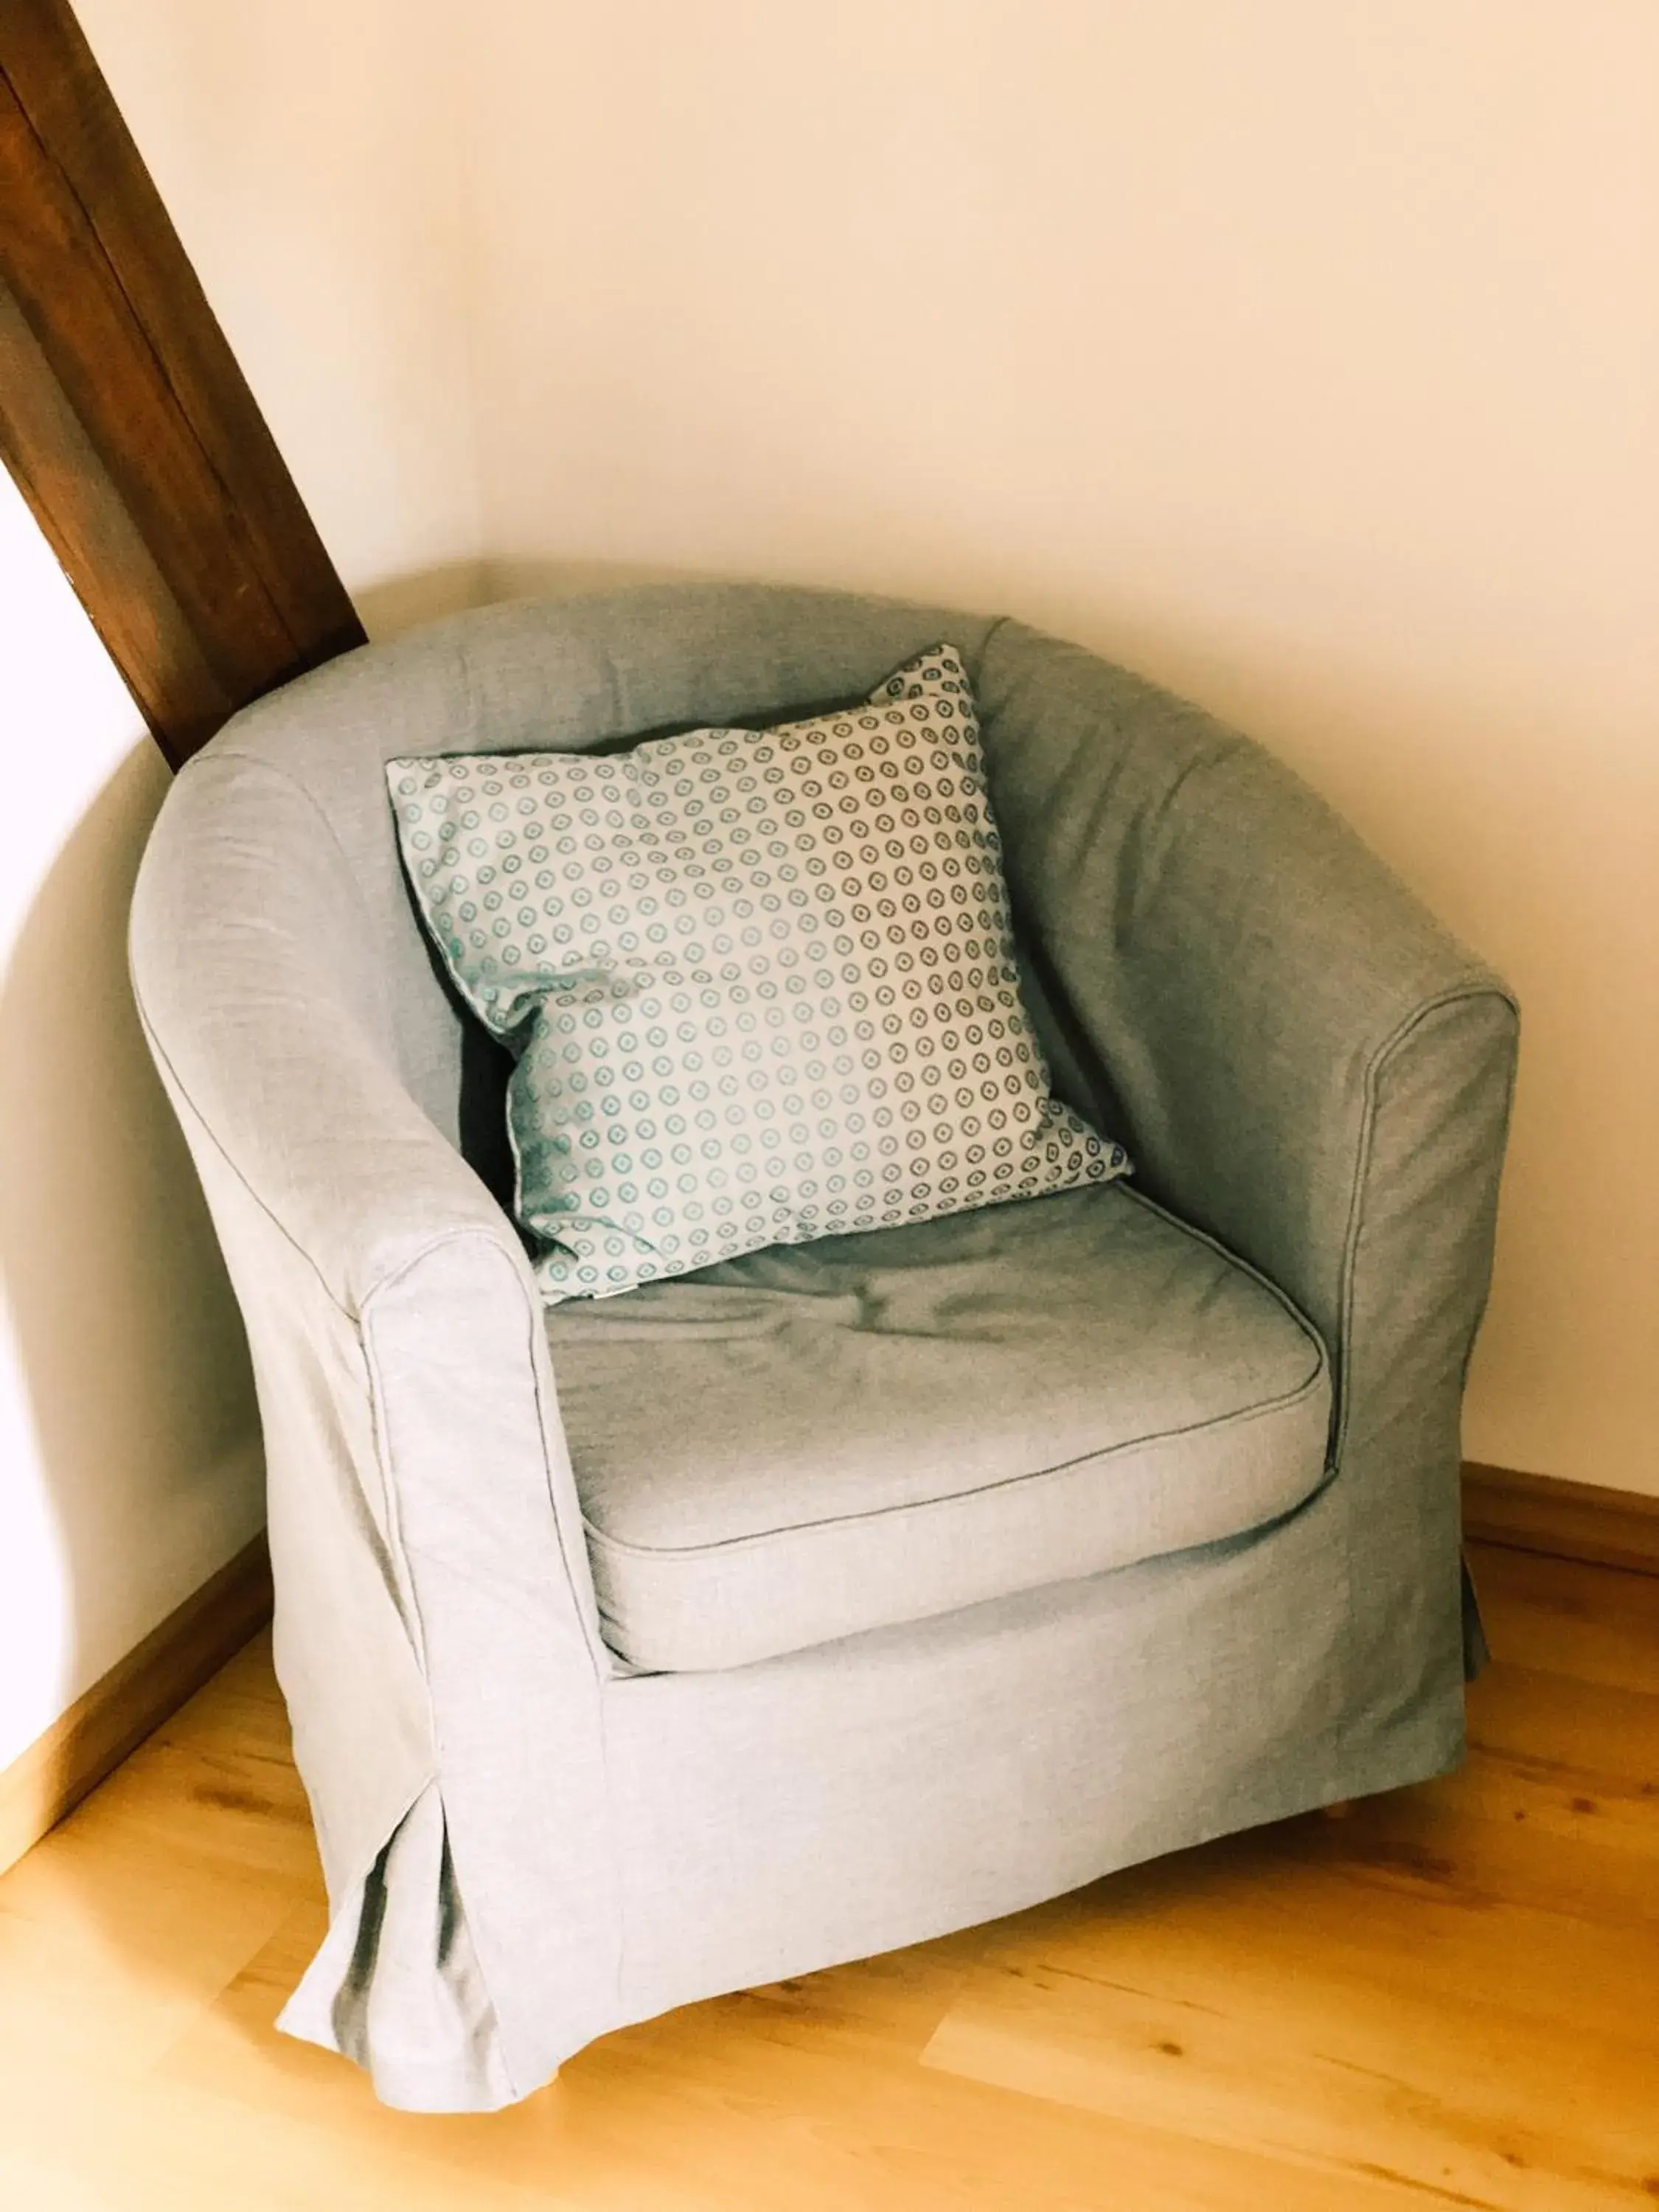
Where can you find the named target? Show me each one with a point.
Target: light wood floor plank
(1595, 1623)
(1321, 2011)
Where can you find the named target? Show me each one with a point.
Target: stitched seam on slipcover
(393, 1533)
(1128, 1191)
(999, 623)
(340, 1304)
(377, 1399)
(1286, 1304)
(229, 1165)
(394, 1270)
(597, 1657)
(1467, 994)
(495, 1245)
(387, 1461)
(631, 1613)
(1342, 1722)
(397, 1269)
(599, 1652)
(536, 1327)
(1507, 1117)
(1238, 1418)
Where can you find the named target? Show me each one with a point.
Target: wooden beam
(125, 420)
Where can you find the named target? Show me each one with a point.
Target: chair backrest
(553, 676)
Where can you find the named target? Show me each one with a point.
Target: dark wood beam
(125, 420)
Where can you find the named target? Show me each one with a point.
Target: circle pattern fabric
(761, 984)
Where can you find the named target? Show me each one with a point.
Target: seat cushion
(815, 1440)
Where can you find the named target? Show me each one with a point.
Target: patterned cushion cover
(760, 985)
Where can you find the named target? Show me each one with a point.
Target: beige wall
(1303, 356)
(313, 154)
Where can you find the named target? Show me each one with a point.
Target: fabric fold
(396, 1984)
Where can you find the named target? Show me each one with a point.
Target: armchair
(641, 1651)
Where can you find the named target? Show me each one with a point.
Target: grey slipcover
(526, 1842)
(822, 1438)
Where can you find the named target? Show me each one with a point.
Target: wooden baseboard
(136, 1695)
(1565, 1520)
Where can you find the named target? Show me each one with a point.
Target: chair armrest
(435, 1624)
(265, 1000)
(1302, 1061)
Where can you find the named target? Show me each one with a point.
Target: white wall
(323, 206)
(127, 1471)
(1305, 357)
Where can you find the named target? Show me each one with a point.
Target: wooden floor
(1451, 1995)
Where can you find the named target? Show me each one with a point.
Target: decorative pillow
(761, 984)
